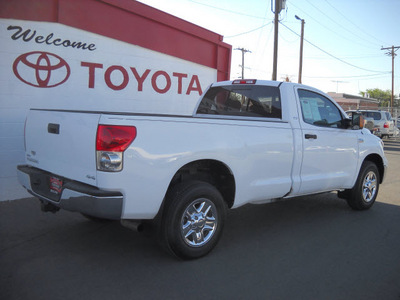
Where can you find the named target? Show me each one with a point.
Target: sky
(342, 47)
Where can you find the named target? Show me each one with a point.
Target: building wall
(39, 68)
(353, 102)
(354, 106)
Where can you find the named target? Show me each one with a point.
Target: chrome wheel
(364, 192)
(199, 222)
(369, 186)
(193, 219)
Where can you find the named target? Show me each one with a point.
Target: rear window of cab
(243, 100)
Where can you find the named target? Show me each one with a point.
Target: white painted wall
(100, 78)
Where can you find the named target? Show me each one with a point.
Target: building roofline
(349, 96)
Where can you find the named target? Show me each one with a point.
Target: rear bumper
(387, 131)
(75, 196)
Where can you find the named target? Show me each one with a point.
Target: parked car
(383, 122)
(368, 124)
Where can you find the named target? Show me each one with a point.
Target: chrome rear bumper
(75, 196)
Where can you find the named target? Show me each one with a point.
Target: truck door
(330, 152)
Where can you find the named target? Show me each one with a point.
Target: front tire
(193, 219)
(363, 195)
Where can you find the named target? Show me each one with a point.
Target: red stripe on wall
(132, 22)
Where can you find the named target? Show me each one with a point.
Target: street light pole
(301, 47)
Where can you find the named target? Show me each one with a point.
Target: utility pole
(276, 23)
(393, 54)
(301, 46)
(243, 53)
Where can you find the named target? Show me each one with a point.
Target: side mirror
(357, 121)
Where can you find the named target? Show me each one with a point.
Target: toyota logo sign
(41, 69)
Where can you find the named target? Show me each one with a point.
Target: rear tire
(193, 219)
(363, 195)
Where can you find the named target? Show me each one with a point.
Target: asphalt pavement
(311, 247)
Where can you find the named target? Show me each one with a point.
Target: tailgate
(63, 143)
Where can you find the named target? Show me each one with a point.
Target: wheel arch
(212, 171)
(378, 161)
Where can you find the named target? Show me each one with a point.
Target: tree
(384, 97)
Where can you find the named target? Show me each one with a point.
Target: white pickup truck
(248, 141)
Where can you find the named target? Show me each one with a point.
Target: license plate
(55, 185)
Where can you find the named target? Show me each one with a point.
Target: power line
(331, 55)
(258, 28)
(347, 57)
(370, 76)
(227, 10)
(338, 24)
(351, 22)
(329, 29)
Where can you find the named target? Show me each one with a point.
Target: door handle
(310, 136)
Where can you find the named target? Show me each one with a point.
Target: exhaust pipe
(134, 225)
(48, 207)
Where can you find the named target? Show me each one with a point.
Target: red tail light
(244, 81)
(114, 138)
(386, 125)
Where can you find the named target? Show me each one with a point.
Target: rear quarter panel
(259, 155)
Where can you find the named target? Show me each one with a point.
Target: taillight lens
(111, 142)
(114, 138)
(386, 125)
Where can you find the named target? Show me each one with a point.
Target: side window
(372, 114)
(242, 100)
(318, 110)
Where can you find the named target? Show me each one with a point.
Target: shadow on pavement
(306, 248)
